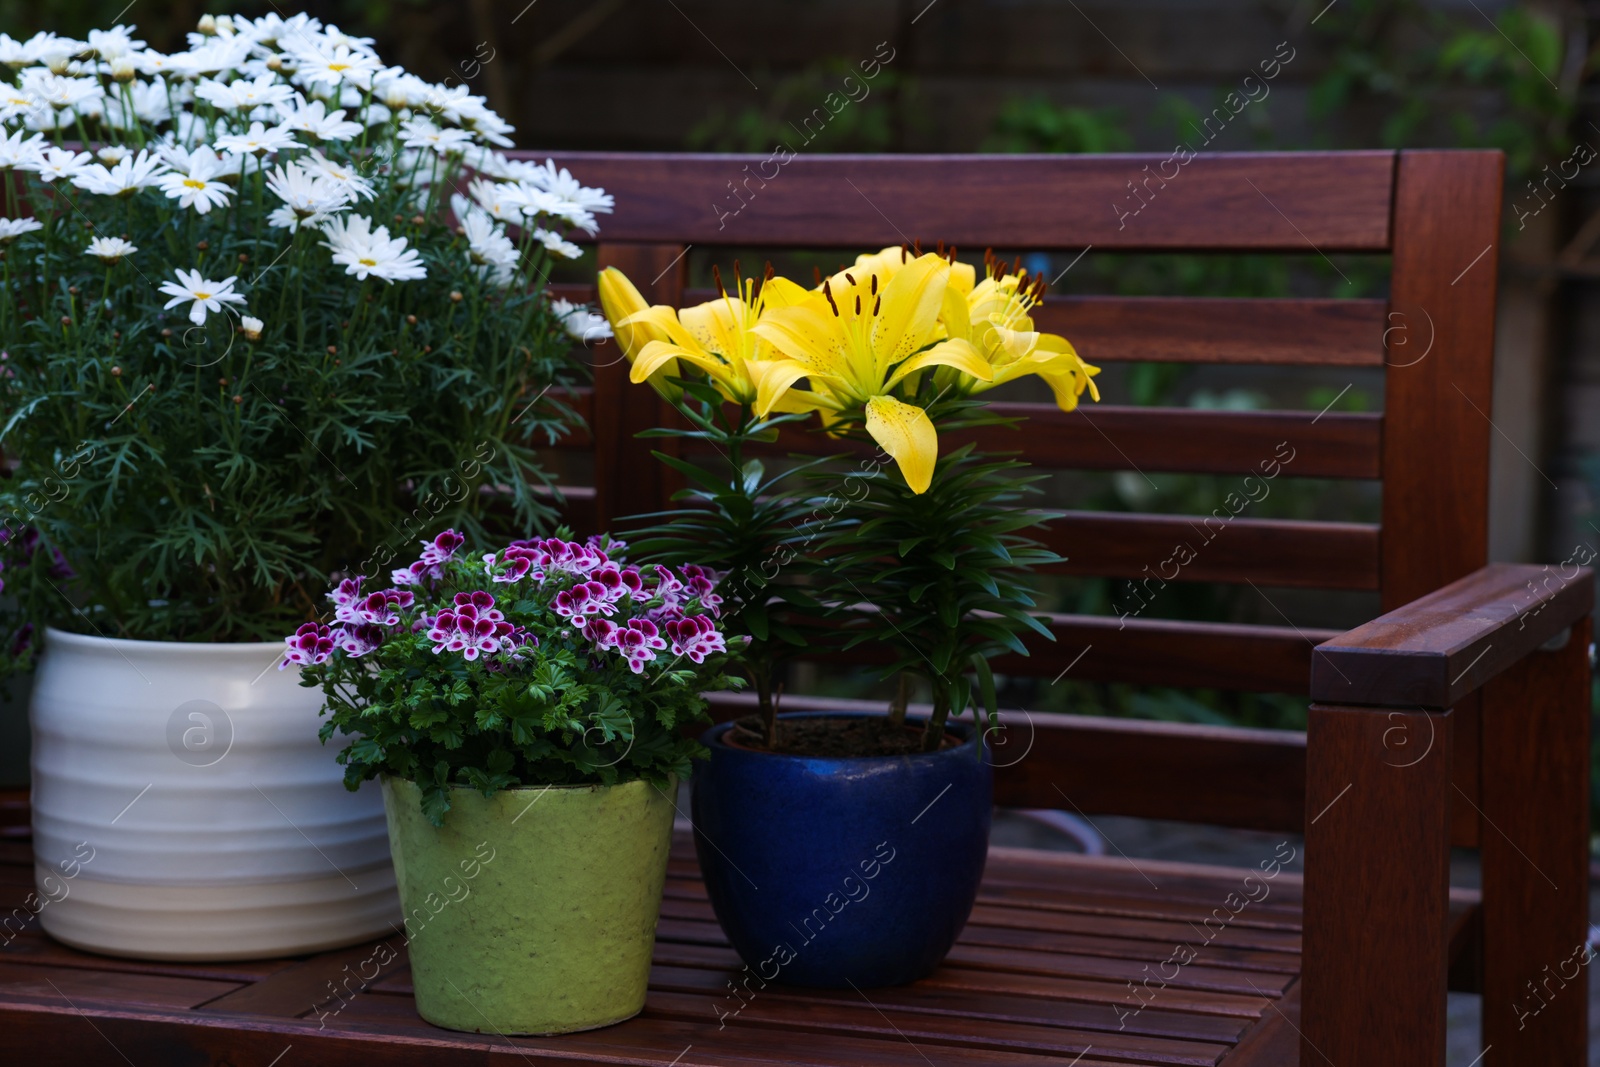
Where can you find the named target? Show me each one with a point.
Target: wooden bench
(1459, 718)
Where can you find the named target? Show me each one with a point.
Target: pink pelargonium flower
(700, 587)
(381, 608)
(695, 637)
(516, 563)
(638, 642)
(569, 556)
(482, 605)
(668, 587)
(308, 646)
(357, 641)
(620, 582)
(603, 632)
(345, 596)
(581, 601)
(441, 548)
(416, 574)
(464, 631)
(598, 543)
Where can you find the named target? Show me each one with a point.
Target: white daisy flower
(314, 120)
(60, 92)
(365, 252)
(495, 199)
(15, 102)
(11, 229)
(357, 186)
(115, 43)
(252, 327)
(557, 245)
(177, 65)
(333, 66)
(151, 105)
(536, 202)
(309, 198)
(559, 180)
(13, 53)
(60, 163)
(206, 295)
(489, 248)
(374, 114)
(198, 184)
(258, 140)
(244, 95)
(48, 118)
(420, 133)
(218, 54)
(336, 37)
(271, 29)
(397, 89)
(581, 323)
(51, 51)
(21, 152)
(111, 154)
(491, 127)
(125, 178)
(110, 249)
(454, 104)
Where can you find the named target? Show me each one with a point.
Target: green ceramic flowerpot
(532, 911)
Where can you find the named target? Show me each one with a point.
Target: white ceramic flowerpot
(183, 808)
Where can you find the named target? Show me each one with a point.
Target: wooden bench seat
(1040, 976)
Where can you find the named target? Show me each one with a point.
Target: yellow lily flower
(858, 339)
(886, 262)
(994, 317)
(716, 338)
(621, 301)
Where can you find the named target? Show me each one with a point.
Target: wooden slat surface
(1215, 548)
(1294, 202)
(1115, 437)
(1040, 978)
(1174, 329)
(1113, 648)
(1185, 440)
(1182, 329)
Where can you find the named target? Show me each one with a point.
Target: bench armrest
(1439, 648)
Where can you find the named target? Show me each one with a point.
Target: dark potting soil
(833, 738)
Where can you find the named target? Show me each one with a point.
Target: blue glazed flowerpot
(842, 871)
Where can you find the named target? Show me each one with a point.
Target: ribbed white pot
(183, 808)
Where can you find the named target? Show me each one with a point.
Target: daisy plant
(546, 662)
(273, 308)
(894, 351)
